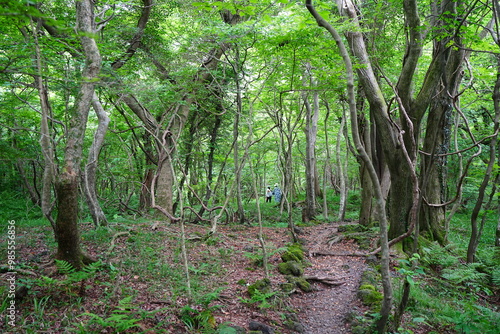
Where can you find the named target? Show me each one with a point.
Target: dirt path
(324, 311)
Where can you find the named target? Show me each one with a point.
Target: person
(269, 194)
(277, 194)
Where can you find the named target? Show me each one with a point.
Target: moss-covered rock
(367, 287)
(370, 276)
(263, 285)
(303, 284)
(287, 287)
(300, 282)
(291, 268)
(293, 253)
(369, 295)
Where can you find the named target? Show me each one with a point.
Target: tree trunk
(236, 155)
(210, 162)
(497, 233)
(474, 238)
(89, 176)
(68, 238)
(327, 167)
(342, 170)
(145, 196)
(46, 141)
(437, 137)
(30, 187)
(312, 114)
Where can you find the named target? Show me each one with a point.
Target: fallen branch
(325, 280)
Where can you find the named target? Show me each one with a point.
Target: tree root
(325, 280)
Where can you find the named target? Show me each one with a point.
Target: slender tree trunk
(342, 170)
(236, 156)
(474, 238)
(210, 162)
(327, 164)
(312, 114)
(30, 187)
(145, 196)
(89, 177)
(497, 233)
(46, 142)
(458, 201)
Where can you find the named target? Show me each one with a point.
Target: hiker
(269, 194)
(277, 193)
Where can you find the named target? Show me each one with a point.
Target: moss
(369, 277)
(370, 297)
(367, 287)
(303, 284)
(242, 282)
(293, 253)
(287, 287)
(300, 282)
(263, 285)
(352, 228)
(291, 268)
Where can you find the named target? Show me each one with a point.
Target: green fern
(435, 255)
(121, 318)
(495, 276)
(466, 273)
(64, 267)
(71, 275)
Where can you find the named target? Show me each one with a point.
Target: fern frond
(64, 267)
(495, 276)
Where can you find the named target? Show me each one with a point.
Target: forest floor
(143, 261)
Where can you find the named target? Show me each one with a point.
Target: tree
(66, 176)
(386, 279)
(311, 130)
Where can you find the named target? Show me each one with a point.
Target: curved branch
(135, 42)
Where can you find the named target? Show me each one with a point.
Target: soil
(324, 310)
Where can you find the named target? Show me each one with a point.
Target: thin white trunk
(89, 176)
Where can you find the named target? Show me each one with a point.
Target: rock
(291, 268)
(303, 284)
(263, 285)
(295, 326)
(292, 322)
(300, 282)
(258, 326)
(293, 253)
(232, 329)
(287, 287)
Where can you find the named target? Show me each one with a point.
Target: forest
(250, 166)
